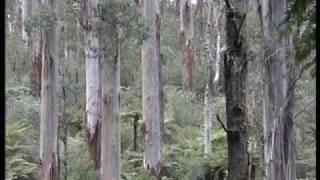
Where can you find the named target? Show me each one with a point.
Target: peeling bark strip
(93, 92)
(186, 43)
(150, 90)
(49, 161)
(235, 64)
(279, 141)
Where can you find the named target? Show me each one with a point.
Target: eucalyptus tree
(208, 96)
(150, 89)
(235, 72)
(186, 44)
(49, 160)
(89, 20)
(279, 140)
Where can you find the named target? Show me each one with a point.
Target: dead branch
(221, 123)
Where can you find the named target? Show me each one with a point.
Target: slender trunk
(208, 110)
(235, 64)
(110, 127)
(62, 121)
(18, 21)
(26, 12)
(150, 90)
(49, 159)
(135, 133)
(186, 44)
(35, 76)
(63, 135)
(93, 89)
(208, 97)
(159, 58)
(178, 8)
(279, 142)
(200, 14)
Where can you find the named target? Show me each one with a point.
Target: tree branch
(304, 68)
(304, 109)
(242, 20)
(221, 123)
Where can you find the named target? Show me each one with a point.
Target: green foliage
(301, 21)
(19, 161)
(80, 164)
(120, 19)
(43, 18)
(182, 108)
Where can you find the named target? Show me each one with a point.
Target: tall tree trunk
(49, 100)
(279, 142)
(160, 61)
(235, 64)
(63, 135)
(150, 90)
(110, 127)
(208, 97)
(186, 44)
(35, 76)
(93, 89)
(62, 121)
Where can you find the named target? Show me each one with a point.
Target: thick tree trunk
(110, 127)
(93, 89)
(35, 75)
(235, 64)
(279, 142)
(49, 101)
(186, 43)
(150, 90)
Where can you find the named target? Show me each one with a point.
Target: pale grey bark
(49, 100)
(26, 12)
(93, 89)
(208, 97)
(110, 127)
(208, 114)
(150, 90)
(279, 142)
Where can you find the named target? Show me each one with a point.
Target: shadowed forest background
(160, 89)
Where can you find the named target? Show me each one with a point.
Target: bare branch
(242, 20)
(221, 123)
(304, 68)
(304, 109)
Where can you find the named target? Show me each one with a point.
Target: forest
(160, 89)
